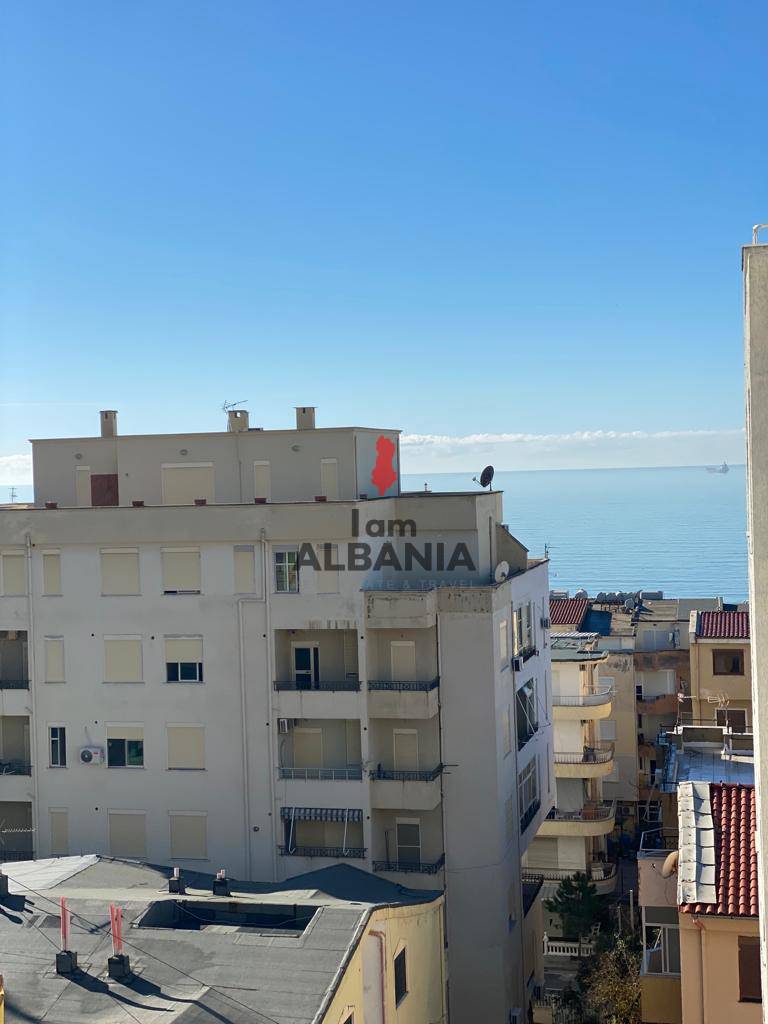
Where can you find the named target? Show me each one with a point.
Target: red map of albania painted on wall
(383, 474)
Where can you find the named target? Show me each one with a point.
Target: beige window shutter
(262, 480)
(120, 572)
(83, 486)
(406, 750)
(125, 732)
(59, 820)
(307, 748)
(329, 479)
(127, 834)
(51, 572)
(245, 576)
(14, 575)
(189, 839)
(182, 485)
(54, 659)
(122, 660)
(184, 648)
(181, 570)
(186, 746)
(403, 654)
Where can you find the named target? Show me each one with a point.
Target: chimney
(305, 417)
(237, 421)
(108, 422)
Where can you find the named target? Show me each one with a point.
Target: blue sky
(514, 220)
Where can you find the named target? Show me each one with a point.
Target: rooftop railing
(414, 867)
(328, 685)
(589, 812)
(351, 773)
(404, 685)
(658, 841)
(598, 753)
(428, 775)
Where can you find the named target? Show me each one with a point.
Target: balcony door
(732, 718)
(406, 750)
(403, 659)
(408, 834)
(306, 665)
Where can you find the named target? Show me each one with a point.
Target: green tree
(577, 904)
(610, 982)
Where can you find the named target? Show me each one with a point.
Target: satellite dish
(670, 865)
(486, 476)
(501, 572)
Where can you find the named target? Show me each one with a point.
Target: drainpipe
(31, 660)
(270, 690)
(381, 936)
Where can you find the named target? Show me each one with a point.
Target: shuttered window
(83, 486)
(181, 570)
(51, 573)
(749, 969)
(54, 659)
(128, 834)
(59, 821)
(262, 480)
(184, 659)
(186, 747)
(183, 485)
(245, 569)
(122, 659)
(120, 571)
(329, 479)
(189, 836)
(125, 746)
(14, 574)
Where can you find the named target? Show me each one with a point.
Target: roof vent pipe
(108, 419)
(305, 417)
(237, 421)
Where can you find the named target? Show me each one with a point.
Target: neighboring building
(194, 695)
(721, 674)
(335, 946)
(573, 838)
(699, 907)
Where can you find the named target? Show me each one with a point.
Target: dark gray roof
(217, 974)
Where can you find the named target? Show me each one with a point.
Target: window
(181, 570)
(526, 713)
(306, 665)
(732, 718)
(58, 746)
(245, 569)
(127, 834)
(83, 486)
(401, 978)
(51, 573)
(13, 574)
(122, 659)
(54, 659)
(120, 571)
(262, 483)
(728, 663)
(661, 941)
(59, 822)
(638, 691)
(189, 835)
(528, 793)
(750, 990)
(408, 832)
(186, 747)
(125, 746)
(184, 484)
(504, 643)
(286, 572)
(329, 479)
(184, 659)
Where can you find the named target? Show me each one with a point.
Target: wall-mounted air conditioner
(284, 725)
(91, 755)
(517, 664)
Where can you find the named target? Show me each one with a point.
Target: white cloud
(15, 469)
(471, 440)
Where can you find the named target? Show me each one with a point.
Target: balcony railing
(527, 735)
(404, 685)
(352, 772)
(328, 685)
(590, 812)
(417, 776)
(583, 700)
(598, 753)
(658, 841)
(6, 856)
(14, 684)
(595, 872)
(15, 768)
(527, 652)
(410, 866)
(336, 852)
(530, 814)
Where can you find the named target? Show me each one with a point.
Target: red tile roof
(734, 814)
(568, 612)
(723, 625)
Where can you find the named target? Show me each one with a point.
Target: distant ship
(724, 468)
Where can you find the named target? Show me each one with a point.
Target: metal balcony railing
(336, 852)
(527, 652)
(583, 700)
(527, 735)
(6, 856)
(530, 814)
(15, 768)
(597, 753)
(328, 685)
(409, 866)
(596, 872)
(14, 684)
(404, 685)
(351, 773)
(658, 841)
(407, 776)
(589, 812)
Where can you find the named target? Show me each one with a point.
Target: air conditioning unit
(517, 664)
(284, 724)
(91, 755)
(546, 622)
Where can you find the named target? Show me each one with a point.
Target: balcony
(331, 852)
(349, 774)
(594, 705)
(662, 704)
(328, 686)
(591, 762)
(406, 790)
(530, 814)
(15, 768)
(591, 820)
(323, 698)
(602, 875)
(14, 684)
(403, 698)
(407, 867)
(402, 609)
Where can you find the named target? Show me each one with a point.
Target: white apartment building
(251, 650)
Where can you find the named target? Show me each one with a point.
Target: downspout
(31, 661)
(246, 759)
(270, 692)
(382, 937)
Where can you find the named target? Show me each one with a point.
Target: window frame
(752, 943)
(727, 652)
(291, 571)
(400, 975)
(125, 741)
(198, 666)
(60, 740)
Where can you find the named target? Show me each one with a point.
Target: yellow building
(721, 676)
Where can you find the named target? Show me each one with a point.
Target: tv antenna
(485, 477)
(228, 406)
(12, 495)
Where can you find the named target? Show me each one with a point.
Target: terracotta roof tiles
(568, 612)
(723, 625)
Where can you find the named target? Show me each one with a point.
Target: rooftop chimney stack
(108, 422)
(305, 417)
(237, 421)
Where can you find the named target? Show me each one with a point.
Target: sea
(680, 530)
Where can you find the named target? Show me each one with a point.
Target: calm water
(679, 530)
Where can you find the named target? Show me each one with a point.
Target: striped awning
(321, 814)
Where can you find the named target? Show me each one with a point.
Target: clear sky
(514, 220)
